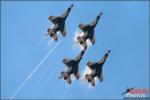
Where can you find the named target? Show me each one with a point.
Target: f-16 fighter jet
(59, 24)
(73, 67)
(88, 32)
(127, 90)
(96, 70)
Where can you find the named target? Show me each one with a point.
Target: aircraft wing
(67, 62)
(93, 39)
(83, 26)
(63, 30)
(91, 65)
(100, 77)
(54, 19)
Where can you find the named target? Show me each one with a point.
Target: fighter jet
(88, 30)
(59, 24)
(73, 68)
(96, 70)
(127, 90)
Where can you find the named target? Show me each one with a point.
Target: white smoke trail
(49, 43)
(46, 82)
(76, 42)
(30, 75)
(53, 73)
(68, 89)
(39, 80)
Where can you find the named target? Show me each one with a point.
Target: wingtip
(88, 63)
(64, 60)
(49, 17)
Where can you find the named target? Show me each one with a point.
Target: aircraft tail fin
(88, 78)
(52, 33)
(65, 76)
(55, 37)
(69, 80)
(91, 81)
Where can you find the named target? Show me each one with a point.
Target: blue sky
(123, 28)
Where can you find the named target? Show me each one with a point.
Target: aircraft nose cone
(109, 51)
(107, 54)
(72, 5)
(101, 13)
